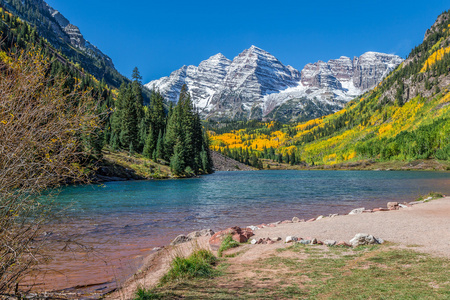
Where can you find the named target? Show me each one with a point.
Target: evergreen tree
(148, 152)
(160, 146)
(177, 162)
(129, 128)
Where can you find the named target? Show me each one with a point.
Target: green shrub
(226, 244)
(198, 265)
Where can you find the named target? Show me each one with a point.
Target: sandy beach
(424, 227)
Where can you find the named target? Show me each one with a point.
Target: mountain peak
(255, 83)
(257, 50)
(217, 57)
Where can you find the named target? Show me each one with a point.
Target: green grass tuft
(227, 243)
(198, 265)
(143, 294)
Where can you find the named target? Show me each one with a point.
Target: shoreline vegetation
(288, 267)
(120, 166)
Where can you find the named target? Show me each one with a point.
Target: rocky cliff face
(56, 28)
(73, 33)
(256, 85)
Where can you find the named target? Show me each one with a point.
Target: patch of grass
(226, 244)
(198, 265)
(143, 294)
(297, 272)
(430, 196)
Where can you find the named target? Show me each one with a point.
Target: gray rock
(295, 220)
(357, 211)
(333, 215)
(207, 232)
(305, 242)
(291, 239)
(392, 205)
(363, 239)
(180, 239)
(253, 227)
(203, 232)
(329, 242)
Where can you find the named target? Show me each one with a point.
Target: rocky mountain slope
(256, 85)
(65, 37)
(405, 118)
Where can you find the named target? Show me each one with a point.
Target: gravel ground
(426, 226)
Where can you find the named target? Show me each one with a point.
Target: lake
(123, 221)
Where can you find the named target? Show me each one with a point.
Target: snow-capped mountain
(256, 85)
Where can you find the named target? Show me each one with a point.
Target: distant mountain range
(256, 85)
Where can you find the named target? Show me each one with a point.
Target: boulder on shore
(392, 205)
(193, 235)
(240, 235)
(364, 239)
(357, 211)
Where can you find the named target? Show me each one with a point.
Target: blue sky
(161, 36)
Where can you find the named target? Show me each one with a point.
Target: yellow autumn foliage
(435, 57)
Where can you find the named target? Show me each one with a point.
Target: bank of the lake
(123, 221)
(411, 263)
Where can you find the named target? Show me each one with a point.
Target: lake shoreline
(134, 219)
(391, 225)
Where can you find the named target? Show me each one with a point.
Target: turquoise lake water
(126, 219)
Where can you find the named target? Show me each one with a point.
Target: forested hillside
(125, 122)
(406, 117)
(72, 47)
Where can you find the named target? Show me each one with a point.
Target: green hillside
(406, 117)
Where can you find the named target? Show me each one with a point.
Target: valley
(100, 172)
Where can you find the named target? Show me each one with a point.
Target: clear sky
(161, 36)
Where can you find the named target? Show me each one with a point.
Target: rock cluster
(191, 236)
(266, 241)
(390, 206)
(240, 235)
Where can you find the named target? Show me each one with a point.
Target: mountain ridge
(66, 37)
(256, 85)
